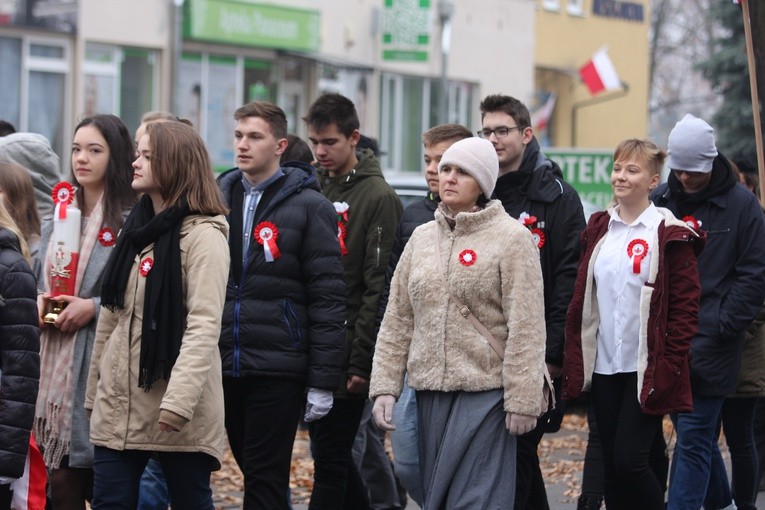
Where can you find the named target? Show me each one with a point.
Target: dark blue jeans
(738, 426)
(695, 454)
(153, 489)
(117, 475)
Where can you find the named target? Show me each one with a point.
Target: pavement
(562, 458)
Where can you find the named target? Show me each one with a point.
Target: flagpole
(755, 98)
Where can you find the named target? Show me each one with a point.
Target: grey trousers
(374, 464)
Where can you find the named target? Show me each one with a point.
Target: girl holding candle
(155, 381)
(630, 324)
(101, 159)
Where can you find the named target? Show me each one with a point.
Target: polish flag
(29, 490)
(541, 117)
(599, 73)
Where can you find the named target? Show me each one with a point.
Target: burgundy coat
(669, 306)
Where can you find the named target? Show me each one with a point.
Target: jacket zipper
(377, 250)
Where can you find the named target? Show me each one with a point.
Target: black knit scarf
(163, 310)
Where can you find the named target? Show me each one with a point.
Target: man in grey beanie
(703, 191)
(33, 152)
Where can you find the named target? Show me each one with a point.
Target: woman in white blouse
(630, 324)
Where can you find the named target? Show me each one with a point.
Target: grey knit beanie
(478, 158)
(691, 146)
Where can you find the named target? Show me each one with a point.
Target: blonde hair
(6, 222)
(20, 201)
(645, 151)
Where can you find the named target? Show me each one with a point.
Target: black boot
(589, 502)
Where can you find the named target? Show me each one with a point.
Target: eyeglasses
(499, 132)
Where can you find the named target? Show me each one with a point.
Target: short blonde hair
(644, 151)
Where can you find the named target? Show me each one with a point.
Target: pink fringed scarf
(53, 413)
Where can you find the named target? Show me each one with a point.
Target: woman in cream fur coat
(472, 402)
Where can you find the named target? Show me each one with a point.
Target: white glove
(6, 481)
(317, 404)
(382, 411)
(519, 424)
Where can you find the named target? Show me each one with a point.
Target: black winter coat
(732, 275)
(414, 215)
(285, 318)
(538, 189)
(19, 355)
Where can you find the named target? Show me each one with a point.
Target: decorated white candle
(65, 249)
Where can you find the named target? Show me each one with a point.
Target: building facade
(62, 59)
(568, 33)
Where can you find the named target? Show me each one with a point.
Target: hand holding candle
(65, 248)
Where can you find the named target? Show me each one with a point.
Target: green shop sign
(248, 24)
(406, 30)
(588, 171)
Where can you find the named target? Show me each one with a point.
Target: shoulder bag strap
(464, 310)
(548, 392)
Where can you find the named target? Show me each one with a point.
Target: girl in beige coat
(468, 393)
(155, 377)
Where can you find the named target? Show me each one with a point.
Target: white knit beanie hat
(691, 145)
(478, 158)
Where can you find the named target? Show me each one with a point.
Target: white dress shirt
(618, 290)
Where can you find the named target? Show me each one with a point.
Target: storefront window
(258, 82)
(120, 81)
(44, 103)
(138, 85)
(10, 80)
(46, 110)
(403, 117)
(220, 104)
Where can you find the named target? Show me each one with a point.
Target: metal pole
(445, 11)
(177, 53)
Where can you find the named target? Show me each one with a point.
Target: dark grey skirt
(467, 456)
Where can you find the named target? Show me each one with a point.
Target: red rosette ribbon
(341, 238)
(341, 208)
(106, 237)
(146, 265)
(691, 222)
(266, 233)
(468, 258)
(63, 195)
(636, 250)
(539, 236)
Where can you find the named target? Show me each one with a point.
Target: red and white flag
(29, 490)
(541, 117)
(599, 73)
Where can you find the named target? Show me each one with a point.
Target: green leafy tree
(726, 69)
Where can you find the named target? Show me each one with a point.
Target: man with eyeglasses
(532, 189)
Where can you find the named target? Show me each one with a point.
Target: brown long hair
(182, 169)
(20, 201)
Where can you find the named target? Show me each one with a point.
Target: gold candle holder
(52, 310)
